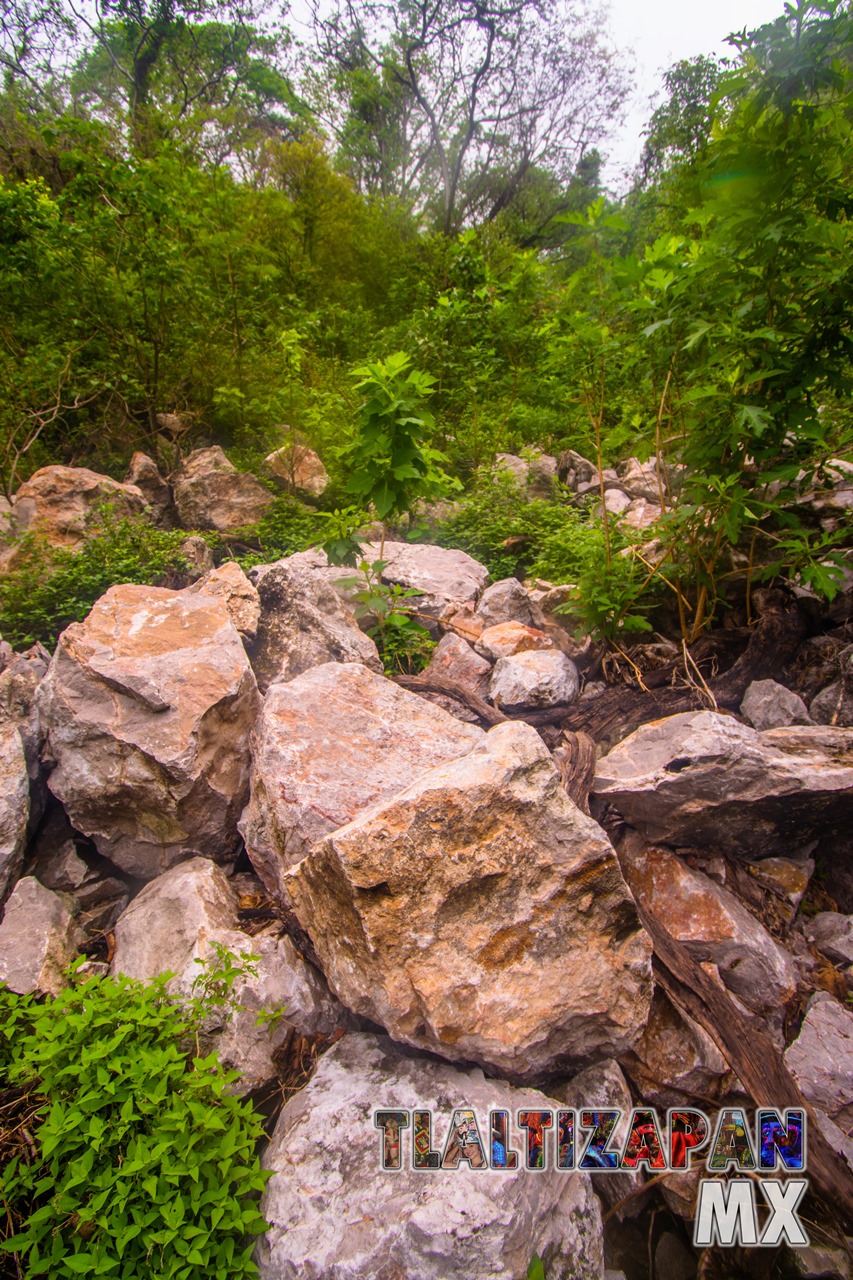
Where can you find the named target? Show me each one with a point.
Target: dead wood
(440, 684)
(575, 759)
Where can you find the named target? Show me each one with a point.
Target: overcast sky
(658, 33)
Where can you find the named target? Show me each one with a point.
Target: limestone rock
(198, 556)
(541, 678)
(330, 743)
(711, 923)
(574, 469)
(145, 474)
(640, 480)
(832, 933)
(14, 806)
(454, 659)
(148, 706)
(333, 1212)
(769, 705)
(504, 601)
(480, 915)
(819, 1060)
(176, 920)
(19, 683)
(443, 578)
(641, 513)
(833, 705)
(299, 468)
(303, 624)
(616, 501)
(37, 939)
(675, 1060)
(704, 780)
(506, 639)
(542, 475)
(61, 503)
(210, 493)
(515, 466)
(230, 584)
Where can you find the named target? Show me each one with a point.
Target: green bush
(287, 527)
(51, 587)
(141, 1162)
(497, 512)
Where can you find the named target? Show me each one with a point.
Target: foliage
(286, 527)
(50, 587)
(144, 1162)
(404, 644)
(500, 527)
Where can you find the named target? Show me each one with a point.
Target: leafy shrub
(500, 527)
(51, 587)
(404, 644)
(142, 1162)
(287, 527)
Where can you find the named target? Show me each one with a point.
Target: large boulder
(304, 623)
(443, 578)
(819, 1060)
(536, 678)
(334, 1212)
(479, 914)
(62, 503)
(329, 744)
(14, 806)
(180, 919)
(702, 779)
(37, 939)
(148, 706)
(712, 924)
(299, 468)
(210, 493)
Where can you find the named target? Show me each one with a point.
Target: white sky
(658, 33)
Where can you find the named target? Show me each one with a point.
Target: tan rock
(148, 706)
(479, 914)
(299, 468)
(210, 493)
(454, 659)
(37, 939)
(62, 503)
(230, 584)
(444, 578)
(14, 806)
(329, 744)
(506, 639)
(674, 1060)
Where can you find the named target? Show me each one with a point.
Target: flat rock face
(454, 659)
(210, 493)
(176, 920)
(37, 939)
(711, 923)
(329, 744)
(304, 623)
(833, 934)
(443, 577)
(333, 1212)
(769, 705)
(14, 806)
(60, 503)
(674, 1059)
(479, 914)
(701, 779)
(537, 678)
(148, 706)
(299, 468)
(230, 584)
(505, 639)
(504, 601)
(819, 1060)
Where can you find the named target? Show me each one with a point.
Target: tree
(445, 95)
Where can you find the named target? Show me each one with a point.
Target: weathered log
(751, 1054)
(576, 761)
(440, 684)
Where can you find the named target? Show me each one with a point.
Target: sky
(660, 32)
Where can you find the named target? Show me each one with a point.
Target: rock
(711, 923)
(330, 743)
(833, 705)
(542, 476)
(509, 638)
(444, 579)
(63, 503)
(54, 859)
(230, 584)
(605, 1086)
(515, 466)
(769, 705)
(198, 556)
(674, 1061)
(673, 1259)
(177, 919)
(18, 685)
(819, 1060)
(333, 1212)
(37, 939)
(145, 474)
(148, 705)
(821, 1262)
(480, 915)
(574, 469)
(304, 623)
(504, 601)
(832, 933)
(454, 659)
(615, 501)
(210, 493)
(704, 780)
(640, 480)
(175, 423)
(14, 806)
(543, 678)
(832, 502)
(640, 514)
(299, 468)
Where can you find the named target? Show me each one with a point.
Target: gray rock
(574, 469)
(37, 939)
(444, 578)
(833, 934)
(145, 474)
(230, 584)
(480, 915)
(504, 601)
(640, 480)
(537, 678)
(19, 683)
(210, 493)
(517, 467)
(304, 623)
(833, 705)
(821, 1262)
(819, 1060)
(769, 705)
(198, 556)
(542, 475)
(675, 1060)
(333, 1212)
(702, 779)
(454, 659)
(329, 744)
(616, 501)
(14, 806)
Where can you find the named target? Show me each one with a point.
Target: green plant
(141, 1160)
(50, 587)
(286, 527)
(403, 643)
